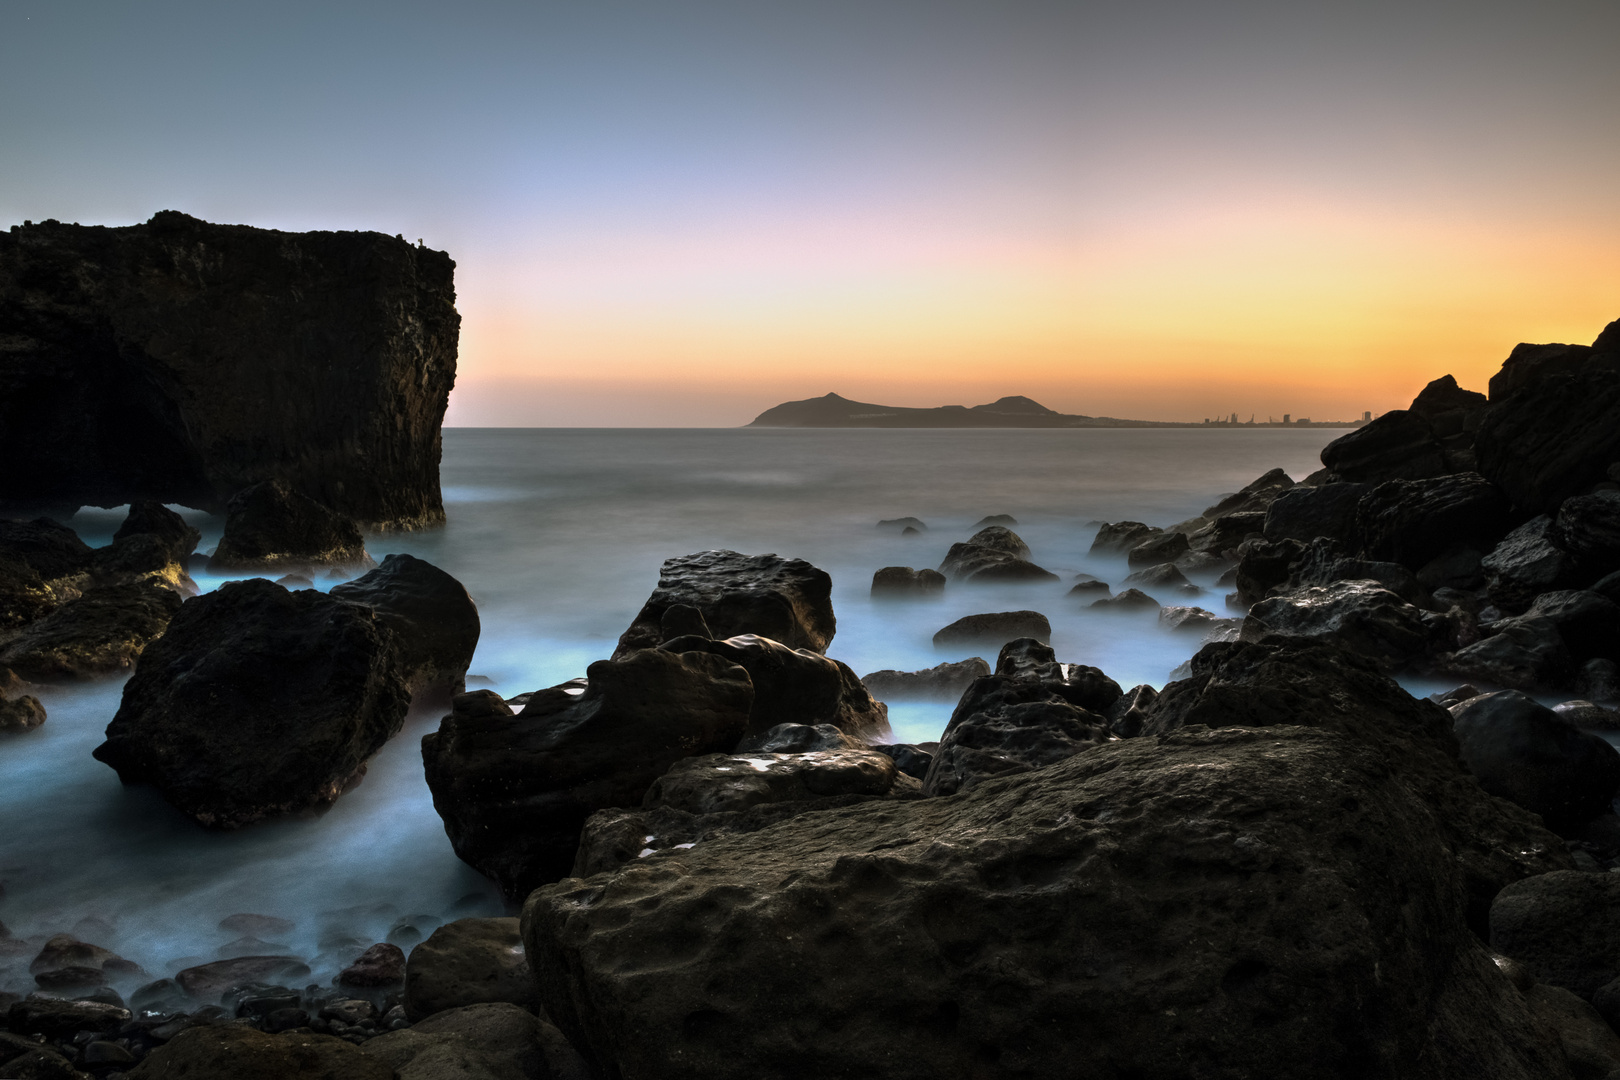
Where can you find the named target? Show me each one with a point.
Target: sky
(681, 213)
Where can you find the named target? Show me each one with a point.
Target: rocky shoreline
(1280, 864)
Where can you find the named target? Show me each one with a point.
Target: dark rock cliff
(183, 361)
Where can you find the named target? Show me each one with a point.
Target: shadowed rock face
(182, 361)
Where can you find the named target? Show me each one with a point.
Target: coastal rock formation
(1361, 616)
(1413, 521)
(1399, 445)
(943, 682)
(719, 783)
(1125, 601)
(1563, 926)
(994, 628)
(904, 583)
(468, 962)
(100, 632)
(241, 1052)
(21, 713)
(488, 1041)
(257, 702)
(786, 600)
(1308, 511)
(1523, 751)
(1120, 536)
(993, 554)
(431, 619)
(183, 361)
(269, 526)
(798, 739)
(43, 564)
(1524, 564)
(515, 790)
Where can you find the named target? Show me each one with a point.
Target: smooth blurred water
(559, 534)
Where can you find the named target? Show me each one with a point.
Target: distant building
(1287, 418)
(1234, 418)
(1304, 421)
(1366, 417)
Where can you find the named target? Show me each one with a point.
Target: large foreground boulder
(433, 622)
(257, 702)
(515, 790)
(182, 361)
(1229, 903)
(786, 600)
(269, 526)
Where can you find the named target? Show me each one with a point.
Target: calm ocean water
(558, 535)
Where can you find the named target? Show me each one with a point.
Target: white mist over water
(559, 534)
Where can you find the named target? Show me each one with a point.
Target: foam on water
(559, 534)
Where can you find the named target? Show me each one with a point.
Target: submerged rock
(256, 703)
(433, 622)
(943, 682)
(1120, 536)
(902, 582)
(269, 526)
(992, 554)
(1163, 548)
(994, 628)
(22, 713)
(903, 523)
(1126, 600)
(786, 600)
(206, 982)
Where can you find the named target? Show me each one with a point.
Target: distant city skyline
(683, 214)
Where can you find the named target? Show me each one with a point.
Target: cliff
(182, 361)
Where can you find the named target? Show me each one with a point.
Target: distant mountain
(1017, 411)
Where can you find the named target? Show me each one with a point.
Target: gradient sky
(681, 213)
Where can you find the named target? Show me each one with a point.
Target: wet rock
(43, 1065)
(1587, 622)
(1304, 513)
(1361, 616)
(148, 517)
(1120, 536)
(101, 1055)
(1164, 548)
(22, 713)
(1588, 527)
(797, 739)
(796, 686)
(1204, 562)
(1562, 926)
(161, 996)
(1521, 653)
(56, 1018)
(65, 961)
(514, 791)
(994, 629)
(1089, 588)
(1128, 600)
(1554, 435)
(1590, 1045)
(381, 965)
(206, 982)
(1253, 498)
(1587, 715)
(1399, 445)
(786, 600)
(899, 524)
(101, 632)
(771, 953)
(1128, 716)
(942, 682)
(493, 1041)
(910, 759)
(1324, 562)
(468, 962)
(904, 583)
(1223, 534)
(42, 564)
(719, 783)
(1162, 576)
(270, 526)
(992, 554)
(433, 621)
(1413, 521)
(1263, 565)
(1009, 571)
(308, 683)
(1195, 620)
(1526, 562)
(1522, 751)
(242, 1053)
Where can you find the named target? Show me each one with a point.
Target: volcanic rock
(994, 629)
(257, 702)
(433, 622)
(943, 682)
(1361, 616)
(1306, 512)
(1412, 521)
(1120, 536)
(1522, 751)
(514, 791)
(902, 582)
(101, 632)
(786, 600)
(181, 362)
(1563, 926)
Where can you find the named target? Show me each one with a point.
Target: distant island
(1017, 411)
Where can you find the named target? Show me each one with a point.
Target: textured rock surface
(786, 600)
(1211, 903)
(943, 682)
(1399, 445)
(1119, 537)
(1588, 527)
(1524, 563)
(994, 628)
(1522, 751)
(514, 791)
(992, 554)
(1009, 724)
(468, 962)
(798, 739)
(1413, 521)
(903, 583)
(101, 632)
(206, 982)
(21, 713)
(42, 565)
(1563, 926)
(241, 1053)
(271, 527)
(257, 702)
(1361, 616)
(434, 623)
(183, 361)
(489, 1041)
(721, 783)
(1306, 512)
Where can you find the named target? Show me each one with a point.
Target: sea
(558, 534)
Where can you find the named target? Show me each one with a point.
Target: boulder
(994, 628)
(786, 600)
(1079, 684)
(182, 361)
(1413, 521)
(1089, 588)
(1195, 620)
(147, 517)
(994, 548)
(1590, 1045)
(1162, 576)
(1223, 534)
(904, 583)
(1263, 565)
(1306, 512)
(1142, 903)
(1127, 600)
(257, 702)
(206, 982)
(1323, 562)
(269, 526)
(25, 713)
(798, 739)
(55, 1018)
(515, 790)
(485, 1041)
(1563, 926)
(1444, 397)
(1522, 653)
(1007, 571)
(432, 620)
(1457, 568)
(1588, 527)
(1253, 498)
(242, 1053)
(468, 962)
(943, 682)
(796, 686)
(1554, 435)
(101, 632)
(995, 519)
(1524, 563)
(1527, 362)
(1587, 622)
(42, 564)
(1128, 715)
(909, 758)
(381, 965)
(142, 558)
(1522, 751)
(1361, 616)
(1116, 538)
(1399, 445)
(1166, 547)
(718, 783)
(65, 961)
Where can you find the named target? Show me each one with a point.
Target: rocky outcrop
(1306, 512)
(1120, 536)
(21, 713)
(721, 783)
(1522, 751)
(182, 361)
(1361, 616)
(431, 619)
(101, 632)
(1524, 564)
(904, 583)
(468, 962)
(488, 1041)
(515, 790)
(1125, 601)
(943, 682)
(997, 931)
(993, 554)
(1413, 521)
(269, 526)
(1163, 548)
(798, 739)
(257, 702)
(1563, 926)
(994, 628)
(1399, 445)
(786, 600)
(43, 564)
